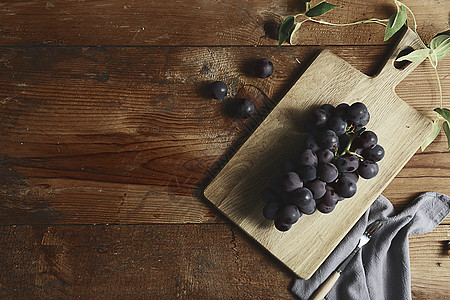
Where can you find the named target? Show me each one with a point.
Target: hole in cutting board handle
(400, 65)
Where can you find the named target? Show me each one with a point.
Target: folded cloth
(380, 270)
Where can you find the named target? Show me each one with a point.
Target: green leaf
(395, 22)
(447, 133)
(444, 112)
(440, 45)
(433, 135)
(297, 27)
(285, 29)
(417, 56)
(320, 9)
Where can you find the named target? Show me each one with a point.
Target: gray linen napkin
(380, 270)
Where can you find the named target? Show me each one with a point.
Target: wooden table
(108, 139)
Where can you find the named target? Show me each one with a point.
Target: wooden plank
(233, 22)
(430, 264)
(92, 135)
(209, 261)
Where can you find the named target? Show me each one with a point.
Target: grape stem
(352, 137)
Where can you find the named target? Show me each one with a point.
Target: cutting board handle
(391, 74)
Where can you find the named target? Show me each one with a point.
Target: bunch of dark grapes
(337, 152)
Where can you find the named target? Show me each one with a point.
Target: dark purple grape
(330, 198)
(363, 122)
(263, 68)
(218, 90)
(327, 139)
(353, 163)
(325, 209)
(288, 166)
(307, 173)
(308, 209)
(274, 184)
(337, 124)
(289, 214)
(352, 175)
(311, 143)
(319, 117)
(345, 187)
(368, 169)
(290, 181)
(317, 187)
(327, 172)
(357, 112)
(342, 164)
(374, 154)
(245, 108)
(286, 198)
(308, 158)
(367, 140)
(270, 211)
(325, 156)
(341, 110)
(281, 226)
(269, 195)
(302, 197)
(328, 108)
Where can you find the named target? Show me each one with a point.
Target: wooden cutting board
(329, 79)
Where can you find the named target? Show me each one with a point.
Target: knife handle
(326, 286)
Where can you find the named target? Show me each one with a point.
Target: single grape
(281, 226)
(342, 164)
(218, 90)
(368, 169)
(308, 158)
(263, 68)
(323, 208)
(328, 139)
(352, 175)
(363, 122)
(286, 198)
(327, 172)
(308, 209)
(288, 166)
(289, 214)
(353, 163)
(357, 112)
(337, 124)
(307, 173)
(290, 181)
(317, 187)
(319, 117)
(374, 154)
(330, 198)
(311, 143)
(325, 156)
(269, 195)
(302, 197)
(328, 108)
(341, 110)
(274, 184)
(367, 140)
(245, 108)
(345, 187)
(270, 211)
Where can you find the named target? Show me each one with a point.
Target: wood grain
(232, 22)
(101, 126)
(191, 261)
